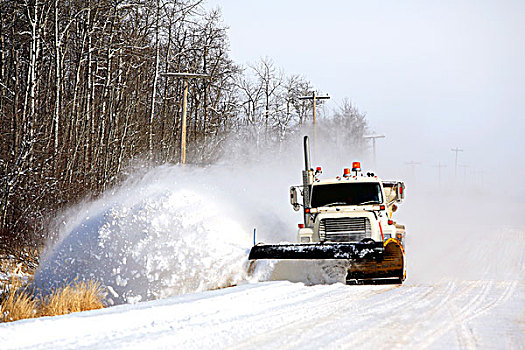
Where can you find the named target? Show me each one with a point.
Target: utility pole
(439, 166)
(314, 99)
(457, 150)
(374, 137)
(185, 77)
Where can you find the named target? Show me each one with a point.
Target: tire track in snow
(328, 322)
(464, 337)
(314, 313)
(396, 329)
(365, 325)
(449, 293)
(489, 296)
(465, 315)
(462, 334)
(394, 322)
(359, 332)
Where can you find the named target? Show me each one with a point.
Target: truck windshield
(355, 193)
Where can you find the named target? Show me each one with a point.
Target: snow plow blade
(389, 269)
(371, 262)
(349, 251)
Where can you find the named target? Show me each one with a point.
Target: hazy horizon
(430, 76)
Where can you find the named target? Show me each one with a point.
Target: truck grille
(344, 229)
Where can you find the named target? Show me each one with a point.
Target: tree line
(84, 93)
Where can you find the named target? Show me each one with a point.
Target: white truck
(348, 217)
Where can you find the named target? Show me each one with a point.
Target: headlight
(305, 239)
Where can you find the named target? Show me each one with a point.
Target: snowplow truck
(348, 217)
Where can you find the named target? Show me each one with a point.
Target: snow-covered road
(453, 314)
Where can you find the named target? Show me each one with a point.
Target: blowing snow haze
(170, 231)
(430, 75)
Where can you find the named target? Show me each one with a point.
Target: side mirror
(400, 191)
(293, 199)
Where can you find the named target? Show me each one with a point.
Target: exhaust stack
(307, 165)
(307, 180)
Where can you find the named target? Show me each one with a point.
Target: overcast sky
(430, 75)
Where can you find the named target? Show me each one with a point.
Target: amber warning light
(356, 166)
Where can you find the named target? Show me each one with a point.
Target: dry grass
(80, 296)
(18, 303)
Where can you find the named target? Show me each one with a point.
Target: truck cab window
(357, 193)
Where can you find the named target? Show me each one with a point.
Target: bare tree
(82, 95)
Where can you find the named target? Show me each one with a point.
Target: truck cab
(355, 207)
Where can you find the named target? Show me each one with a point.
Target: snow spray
(176, 230)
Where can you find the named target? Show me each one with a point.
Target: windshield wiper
(369, 202)
(335, 203)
